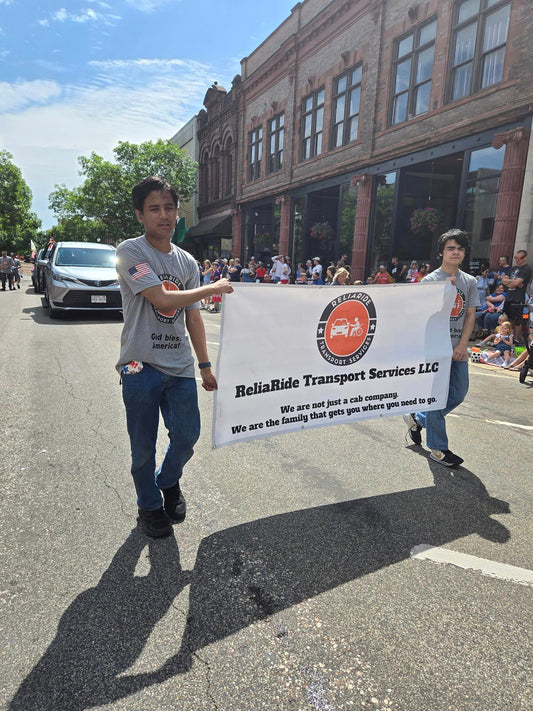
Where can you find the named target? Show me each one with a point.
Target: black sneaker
(523, 373)
(414, 428)
(445, 457)
(175, 506)
(155, 523)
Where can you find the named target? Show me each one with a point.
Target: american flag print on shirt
(139, 270)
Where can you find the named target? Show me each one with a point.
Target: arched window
(203, 178)
(228, 166)
(215, 193)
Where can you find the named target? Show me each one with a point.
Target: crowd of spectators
(279, 270)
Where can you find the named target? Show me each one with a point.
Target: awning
(215, 226)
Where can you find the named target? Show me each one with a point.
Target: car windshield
(85, 257)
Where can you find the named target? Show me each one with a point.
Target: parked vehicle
(34, 279)
(41, 261)
(81, 276)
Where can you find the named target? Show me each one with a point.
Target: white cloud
(46, 140)
(21, 94)
(148, 5)
(85, 15)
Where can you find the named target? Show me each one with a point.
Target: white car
(81, 276)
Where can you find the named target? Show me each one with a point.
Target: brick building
(366, 128)
(186, 139)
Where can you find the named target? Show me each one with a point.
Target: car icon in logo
(340, 327)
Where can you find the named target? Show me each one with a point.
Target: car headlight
(57, 277)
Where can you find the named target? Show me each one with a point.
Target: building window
(228, 167)
(312, 124)
(412, 70)
(478, 43)
(255, 151)
(346, 100)
(482, 187)
(276, 131)
(215, 183)
(204, 179)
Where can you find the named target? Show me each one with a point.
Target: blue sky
(79, 75)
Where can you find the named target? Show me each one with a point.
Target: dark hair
(456, 234)
(154, 183)
(522, 251)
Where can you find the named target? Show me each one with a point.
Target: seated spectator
(516, 364)
(487, 315)
(502, 341)
(260, 273)
(382, 276)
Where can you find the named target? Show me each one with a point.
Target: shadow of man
(248, 572)
(104, 630)
(242, 574)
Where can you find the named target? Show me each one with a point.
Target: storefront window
(298, 220)
(347, 221)
(261, 241)
(484, 174)
(382, 222)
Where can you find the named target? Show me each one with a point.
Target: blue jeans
(144, 394)
(7, 277)
(433, 421)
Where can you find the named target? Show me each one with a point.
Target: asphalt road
(291, 585)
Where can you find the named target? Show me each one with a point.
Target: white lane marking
(510, 424)
(501, 422)
(523, 576)
(213, 343)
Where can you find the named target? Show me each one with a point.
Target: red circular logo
(346, 328)
(458, 306)
(169, 286)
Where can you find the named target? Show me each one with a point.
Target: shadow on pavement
(241, 575)
(40, 315)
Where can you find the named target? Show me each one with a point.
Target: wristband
(207, 364)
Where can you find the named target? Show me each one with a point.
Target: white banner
(296, 357)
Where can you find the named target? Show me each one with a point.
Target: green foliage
(425, 218)
(18, 223)
(101, 207)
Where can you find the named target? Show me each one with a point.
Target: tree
(18, 223)
(101, 207)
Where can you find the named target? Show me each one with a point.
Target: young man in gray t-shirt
(159, 283)
(451, 247)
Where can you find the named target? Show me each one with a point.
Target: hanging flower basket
(425, 218)
(321, 230)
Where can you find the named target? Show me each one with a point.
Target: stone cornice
(332, 20)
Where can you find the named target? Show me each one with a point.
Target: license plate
(98, 298)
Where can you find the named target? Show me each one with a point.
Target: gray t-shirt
(6, 265)
(467, 295)
(149, 335)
